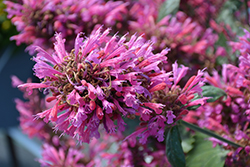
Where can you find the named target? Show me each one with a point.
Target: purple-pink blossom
(167, 104)
(93, 85)
(38, 20)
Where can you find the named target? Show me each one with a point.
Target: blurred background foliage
(7, 28)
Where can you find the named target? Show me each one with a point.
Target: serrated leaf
(168, 7)
(214, 92)
(174, 150)
(204, 155)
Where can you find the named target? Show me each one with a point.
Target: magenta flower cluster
(103, 63)
(37, 21)
(101, 80)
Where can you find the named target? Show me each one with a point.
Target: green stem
(209, 133)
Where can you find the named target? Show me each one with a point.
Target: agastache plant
(98, 82)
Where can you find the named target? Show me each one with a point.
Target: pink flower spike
(119, 107)
(160, 135)
(155, 106)
(233, 91)
(160, 86)
(31, 86)
(78, 43)
(183, 99)
(201, 101)
(59, 47)
(197, 79)
(99, 82)
(131, 100)
(99, 112)
(45, 56)
(170, 117)
(121, 124)
(71, 97)
(54, 110)
(107, 106)
(145, 113)
(189, 82)
(178, 73)
(92, 91)
(110, 124)
(92, 105)
(100, 94)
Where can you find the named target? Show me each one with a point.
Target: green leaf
(174, 150)
(214, 92)
(187, 139)
(204, 155)
(168, 7)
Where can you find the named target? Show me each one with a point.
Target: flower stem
(209, 133)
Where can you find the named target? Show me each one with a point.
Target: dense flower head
(38, 20)
(99, 81)
(168, 103)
